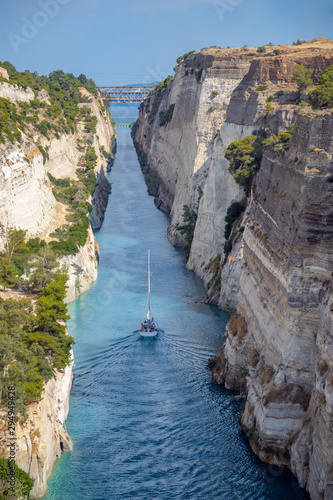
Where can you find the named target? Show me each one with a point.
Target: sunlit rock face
(27, 202)
(278, 275)
(286, 301)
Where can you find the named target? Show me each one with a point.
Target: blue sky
(133, 41)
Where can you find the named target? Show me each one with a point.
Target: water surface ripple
(145, 418)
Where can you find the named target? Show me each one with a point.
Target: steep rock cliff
(26, 198)
(278, 275)
(179, 154)
(41, 438)
(27, 202)
(286, 302)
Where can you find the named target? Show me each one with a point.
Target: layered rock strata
(27, 202)
(278, 276)
(286, 303)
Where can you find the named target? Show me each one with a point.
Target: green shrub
(8, 273)
(215, 93)
(188, 226)
(64, 247)
(302, 76)
(270, 98)
(322, 96)
(157, 92)
(184, 57)
(261, 88)
(217, 282)
(91, 157)
(277, 52)
(233, 212)
(261, 49)
(44, 153)
(9, 119)
(245, 157)
(90, 124)
(23, 482)
(269, 107)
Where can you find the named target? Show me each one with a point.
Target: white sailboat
(148, 328)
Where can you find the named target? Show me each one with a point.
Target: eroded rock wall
(285, 300)
(41, 437)
(278, 276)
(27, 202)
(179, 154)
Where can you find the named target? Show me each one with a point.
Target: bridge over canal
(126, 94)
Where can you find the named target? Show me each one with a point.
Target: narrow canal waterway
(145, 418)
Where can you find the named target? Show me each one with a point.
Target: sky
(137, 41)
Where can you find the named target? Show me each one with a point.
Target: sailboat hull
(148, 334)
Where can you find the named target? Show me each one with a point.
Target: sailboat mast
(148, 315)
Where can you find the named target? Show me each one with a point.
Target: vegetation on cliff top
(322, 96)
(58, 112)
(182, 58)
(33, 345)
(302, 76)
(158, 92)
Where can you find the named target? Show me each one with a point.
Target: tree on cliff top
(322, 96)
(8, 274)
(302, 76)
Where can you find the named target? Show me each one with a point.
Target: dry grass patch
(214, 264)
(254, 357)
(237, 326)
(267, 375)
(288, 394)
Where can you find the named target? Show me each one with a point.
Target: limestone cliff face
(26, 198)
(27, 202)
(278, 276)
(215, 103)
(42, 437)
(180, 153)
(286, 302)
(65, 155)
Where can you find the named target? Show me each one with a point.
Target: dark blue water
(145, 418)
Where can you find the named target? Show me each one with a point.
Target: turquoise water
(145, 418)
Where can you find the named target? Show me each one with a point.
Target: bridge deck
(129, 94)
